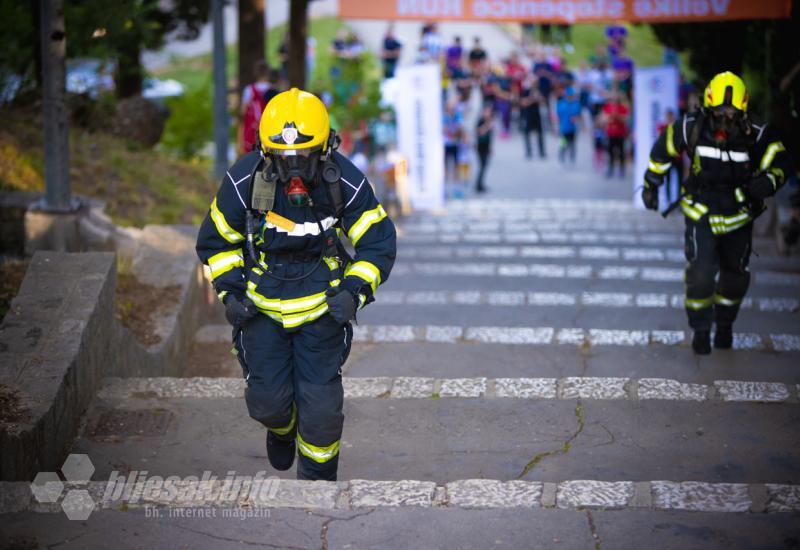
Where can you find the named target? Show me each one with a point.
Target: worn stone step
(609, 317)
(404, 387)
(639, 254)
(447, 439)
(650, 301)
(524, 272)
(401, 527)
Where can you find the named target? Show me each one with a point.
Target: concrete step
(565, 270)
(639, 254)
(463, 514)
(590, 299)
(447, 439)
(608, 317)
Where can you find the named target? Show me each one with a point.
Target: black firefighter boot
(281, 450)
(723, 337)
(701, 343)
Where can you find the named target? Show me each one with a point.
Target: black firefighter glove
(650, 196)
(239, 311)
(342, 303)
(761, 186)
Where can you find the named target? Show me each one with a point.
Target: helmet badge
(289, 135)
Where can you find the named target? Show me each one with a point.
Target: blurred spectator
(274, 88)
(685, 89)
(564, 36)
(451, 126)
(616, 35)
(311, 57)
(252, 105)
(623, 74)
(503, 98)
(464, 157)
(544, 75)
(390, 55)
(432, 41)
(354, 46)
(283, 56)
(616, 113)
(359, 157)
(454, 53)
(339, 44)
(462, 81)
(477, 56)
(671, 57)
(568, 110)
(529, 102)
(484, 144)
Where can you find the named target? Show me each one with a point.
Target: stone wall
(60, 338)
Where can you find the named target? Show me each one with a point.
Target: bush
(190, 123)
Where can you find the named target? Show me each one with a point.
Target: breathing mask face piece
(726, 122)
(302, 164)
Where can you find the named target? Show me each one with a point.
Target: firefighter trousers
(710, 298)
(294, 386)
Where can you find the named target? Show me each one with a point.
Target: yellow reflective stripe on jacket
(693, 210)
(723, 301)
(367, 220)
(366, 271)
(294, 312)
(315, 453)
(769, 155)
(697, 303)
(659, 168)
(739, 194)
(289, 427)
(671, 142)
(223, 228)
(725, 224)
(222, 295)
(225, 261)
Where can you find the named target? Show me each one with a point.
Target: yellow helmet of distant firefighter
(726, 90)
(294, 122)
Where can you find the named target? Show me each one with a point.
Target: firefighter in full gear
(736, 163)
(289, 286)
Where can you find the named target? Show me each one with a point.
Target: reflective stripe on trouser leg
(700, 274)
(734, 275)
(318, 349)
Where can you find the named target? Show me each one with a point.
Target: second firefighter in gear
(736, 163)
(271, 241)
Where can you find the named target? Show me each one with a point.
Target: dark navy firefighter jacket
(292, 249)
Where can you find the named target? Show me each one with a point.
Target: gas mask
(297, 173)
(726, 123)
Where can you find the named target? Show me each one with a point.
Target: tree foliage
(118, 30)
(762, 51)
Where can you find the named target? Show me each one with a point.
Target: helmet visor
(302, 164)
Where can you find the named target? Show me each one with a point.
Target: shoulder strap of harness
(694, 136)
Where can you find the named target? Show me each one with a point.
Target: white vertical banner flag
(655, 91)
(418, 105)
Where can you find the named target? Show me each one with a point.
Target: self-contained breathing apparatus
(295, 173)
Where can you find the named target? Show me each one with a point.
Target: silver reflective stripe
(725, 156)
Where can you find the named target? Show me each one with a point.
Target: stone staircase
(524, 378)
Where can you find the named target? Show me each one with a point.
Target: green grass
(196, 72)
(139, 186)
(642, 46)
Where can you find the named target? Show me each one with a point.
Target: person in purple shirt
(454, 53)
